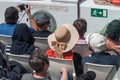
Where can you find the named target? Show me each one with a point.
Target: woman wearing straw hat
(62, 41)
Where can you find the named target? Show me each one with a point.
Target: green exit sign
(95, 12)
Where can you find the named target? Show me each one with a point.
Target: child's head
(38, 61)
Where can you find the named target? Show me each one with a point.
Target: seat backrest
(117, 75)
(42, 43)
(22, 59)
(82, 49)
(56, 64)
(5, 39)
(103, 72)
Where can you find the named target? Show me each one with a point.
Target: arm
(64, 73)
(32, 21)
(117, 50)
(111, 45)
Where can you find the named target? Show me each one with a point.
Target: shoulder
(42, 33)
(27, 77)
(7, 25)
(115, 57)
(50, 53)
(3, 24)
(48, 31)
(81, 41)
(31, 29)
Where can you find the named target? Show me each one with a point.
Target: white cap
(96, 41)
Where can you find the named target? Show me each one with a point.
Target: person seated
(103, 30)
(99, 55)
(112, 36)
(43, 22)
(81, 26)
(39, 62)
(62, 41)
(11, 20)
(22, 40)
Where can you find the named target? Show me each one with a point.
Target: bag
(3, 64)
(14, 72)
(3, 74)
(11, 70)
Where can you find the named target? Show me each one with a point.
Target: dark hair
(89, 75)
(113, 30)
(40, 25)
(11, 15)
(81, 26)
(111, 37)
(37, 60)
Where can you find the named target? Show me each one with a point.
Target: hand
(27, 9)
(63, 69)
(64, 73)
(110, 44)
(58, 51)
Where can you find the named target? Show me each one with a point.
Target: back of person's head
(11, 15)
(90, 75)
(81, 26)
(42, 19)
(113, 30)
(96, 42)
(38, 60)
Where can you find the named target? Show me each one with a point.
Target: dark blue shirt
(101, 58)
(22, 40)
(42, 33)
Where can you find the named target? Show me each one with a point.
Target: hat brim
(73, 39)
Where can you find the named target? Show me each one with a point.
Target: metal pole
(78, 9)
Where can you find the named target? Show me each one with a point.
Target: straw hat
(66, 35)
